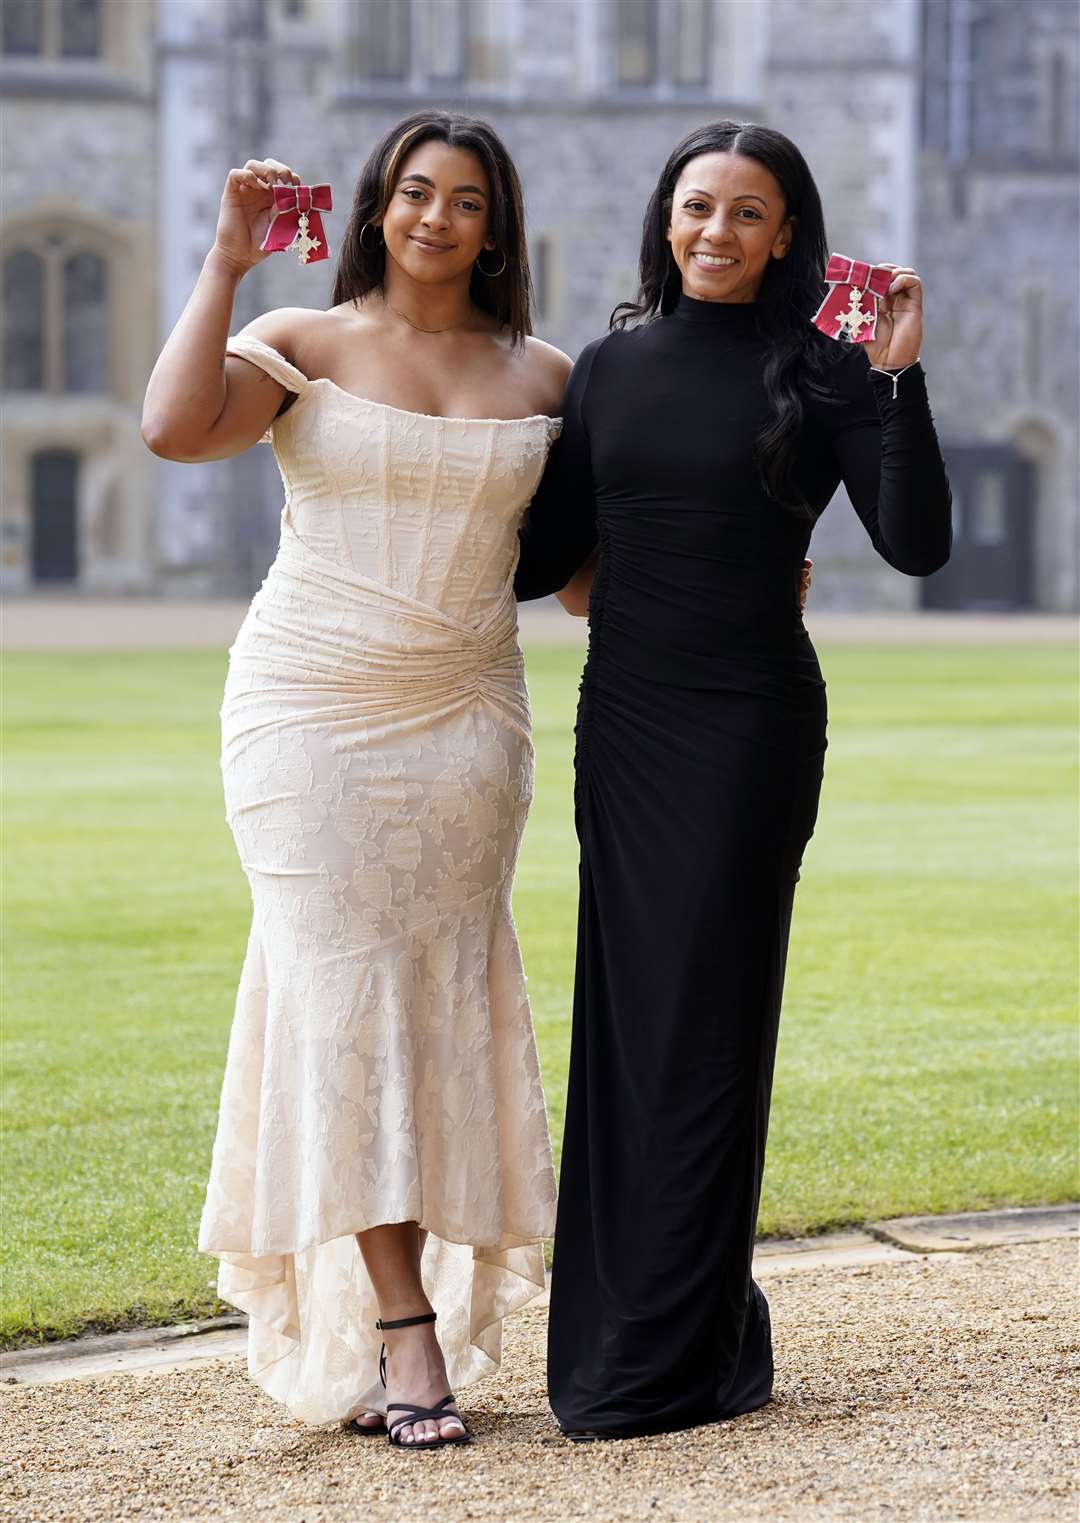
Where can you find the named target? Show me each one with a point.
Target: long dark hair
(362, 262)
(790, 293)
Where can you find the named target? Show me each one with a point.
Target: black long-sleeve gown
(700, 744)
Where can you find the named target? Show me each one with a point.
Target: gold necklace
(417, 326)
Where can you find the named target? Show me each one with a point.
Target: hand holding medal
(297, 223)
(879, 306)
(898, 339)
(264, 209)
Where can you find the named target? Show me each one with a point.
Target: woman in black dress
(703, 438)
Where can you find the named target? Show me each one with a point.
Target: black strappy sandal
(416, 1414)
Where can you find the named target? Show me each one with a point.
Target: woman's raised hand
(898, 338)
(247, 207)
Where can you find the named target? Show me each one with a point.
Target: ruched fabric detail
(378, 767)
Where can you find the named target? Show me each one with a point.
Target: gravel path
(935, 1388)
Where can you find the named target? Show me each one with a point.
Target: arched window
(447, 39)
(56, 316)
(661, 45)
(80, 28)
(24, 321)
(448, 43)
(636, 42)
(51, 28)
(23, 33)
(382, 39)
(86, 320)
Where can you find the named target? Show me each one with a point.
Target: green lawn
(928, 1052)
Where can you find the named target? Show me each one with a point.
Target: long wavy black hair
(790, 293)
(362, 262)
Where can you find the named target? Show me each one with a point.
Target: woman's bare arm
(197, 406)
(575, 595)
(553, 369)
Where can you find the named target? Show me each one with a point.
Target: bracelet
(894, 375)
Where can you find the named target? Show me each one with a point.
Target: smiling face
(728, 220)
(436, 220)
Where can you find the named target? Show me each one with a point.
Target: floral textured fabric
(377, 765)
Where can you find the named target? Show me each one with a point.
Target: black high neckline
(730, 316)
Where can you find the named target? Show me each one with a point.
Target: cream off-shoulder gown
(378, 770)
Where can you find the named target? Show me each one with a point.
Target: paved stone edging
(967, 1230)
(899, 1240)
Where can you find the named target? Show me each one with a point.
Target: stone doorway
(994, 504)
(54, 482)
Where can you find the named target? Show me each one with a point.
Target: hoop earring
(363, 245)
(491, 274)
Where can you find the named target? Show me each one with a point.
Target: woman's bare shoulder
(548, 371)
(286, 328)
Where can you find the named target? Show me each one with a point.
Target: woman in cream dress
(382, 1151)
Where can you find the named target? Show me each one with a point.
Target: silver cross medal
(303, 243)
(853, 319)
